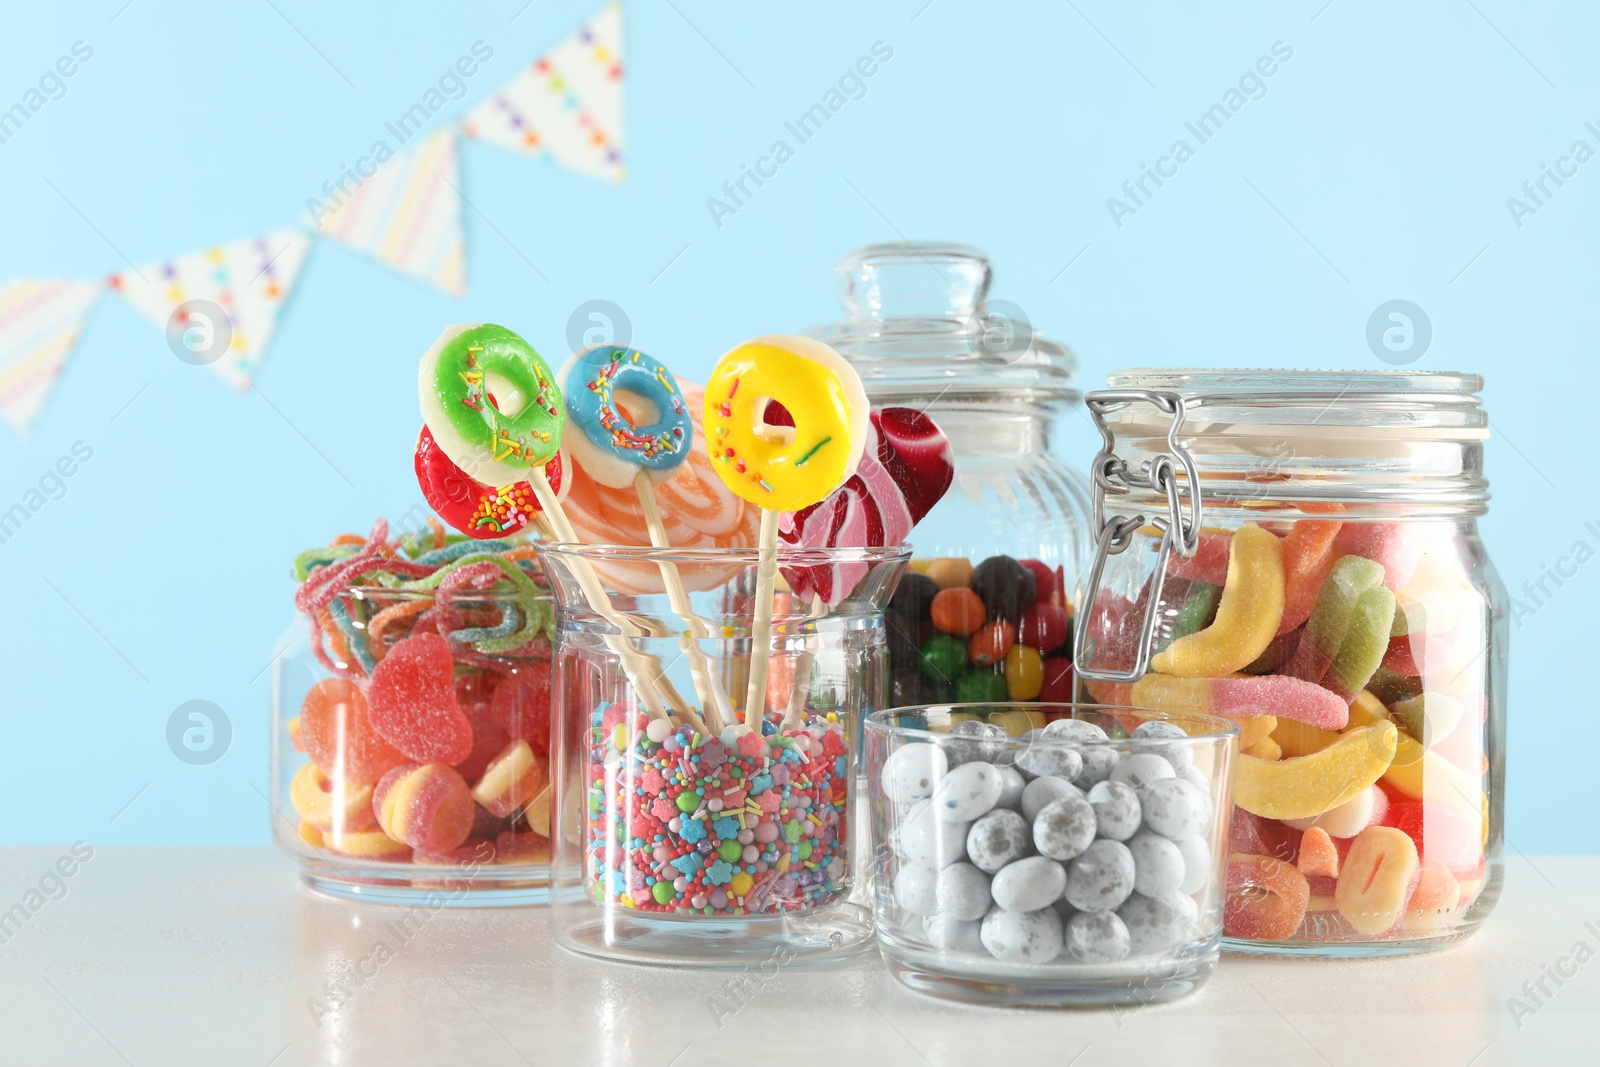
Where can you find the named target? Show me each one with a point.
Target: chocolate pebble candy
(973, 740)
(1052, 758)
(914, 595)
(1101, 878)
(1174, 808)
(1156, 924)
(968, 791)
(1197, 864)
(1044, 791)
(1022, 936)
(998, 838)
(1006, 587)
(1116, 808)
(1096, 937)
(1064, 828)
(1157, 864)
(924, 838)
(1140, 769)
(963, 892)
(950, 934)
(1028, 884)
(1168, 741)
(1098, 760)
(916, 889)
(911, 771)
(1011, 794)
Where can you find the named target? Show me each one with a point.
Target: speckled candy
(1157, 864)
(1140, 769)
(910, 772)
(1166, 740)
(1097, 937)
(998, 838)
(1028, 884)
(1156, 924)
(1101, 878)
(1044, 791)
(922, 837)
(1116, 808)
(1022, 937)
(1064, 828)
(916, 888)
(1048, 757)
(1174, 808)
(968, 791)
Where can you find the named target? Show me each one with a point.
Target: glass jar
(469, 827)
(689, 833)
(1079, 864)
(1306, 561)
(986, 614)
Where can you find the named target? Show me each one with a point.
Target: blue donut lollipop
(601, 439)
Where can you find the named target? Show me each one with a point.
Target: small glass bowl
(1028, 882)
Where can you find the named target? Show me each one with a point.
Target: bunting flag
(40, 320)
(408, 215)
(568, 104)
(249, 280)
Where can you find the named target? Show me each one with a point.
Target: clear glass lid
(919, 323)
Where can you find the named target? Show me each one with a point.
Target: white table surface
(210, 956)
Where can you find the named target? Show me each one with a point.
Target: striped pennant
(249, 280)
(408, 215)
(567, 105)
(40, 320)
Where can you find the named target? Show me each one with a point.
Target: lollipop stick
(595, 592)
(802, 673)
(755, 700)
(712, 697)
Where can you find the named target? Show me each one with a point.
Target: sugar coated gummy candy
(427, 806)
(412, 702)
(511, 780)
(1266, 900)
(1377, 878)
(336, 733)
(1247, 616)
(1306, 786)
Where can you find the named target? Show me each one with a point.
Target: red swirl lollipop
(477, 510)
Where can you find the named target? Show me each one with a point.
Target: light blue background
(1381, 160)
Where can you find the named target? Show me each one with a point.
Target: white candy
(1174, 808)
(1044, 791)
(1029, 884)
(916, 889)
(911, 772)
(1116, 808)
(963, 892)
(1097, 937)
(1197, 863)
(950, 934)
(931, 841)
(1155, 924)
(1157, 864)
(1011, 793)
(1101, 878)
(1140, 769)
(973, 740)
(1168, 741)
(1064, 828)
(968, 791)
(998, 838)
(1349, 818)
(1097, 759)
(1022, 936)
(1048, 758)
(1197, 778)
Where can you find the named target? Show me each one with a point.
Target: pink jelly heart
(411, 702)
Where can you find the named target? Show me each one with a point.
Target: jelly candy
(1266, 898)
(1396, 546)
(329, 805)
(1299, 739)
(427, 806)
(1247, 617)
(1433, 901)
(1365, 643)
(1330, 621)
(1057, 686)
(488, 739)
(412, 703)
(336, 733)
(1251, 835)
(1209, 563)
(1237, 698)
(521, 706)
(1306, 786)
(1429, 717)
(1005, 586)
(295, 741)
(512, 779)
(1366, 808)
(1443, 835)
(1308, 556)
(367, 845)
(1318, 858)
(958, 611)
(1266, 748)
(1421, 774)
(1195, 613)
(1378, 876)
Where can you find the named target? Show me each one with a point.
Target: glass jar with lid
(985, 614)
(1306, 561)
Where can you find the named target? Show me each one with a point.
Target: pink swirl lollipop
(903, 473)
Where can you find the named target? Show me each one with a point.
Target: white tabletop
(211, 956)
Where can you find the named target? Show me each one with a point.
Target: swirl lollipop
(616, 452)
(780, 467)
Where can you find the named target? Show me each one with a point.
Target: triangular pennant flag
(567, 104)
(408, 215)
(40, 320)
(249, 280)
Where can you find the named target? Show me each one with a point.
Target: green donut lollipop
(491, 403)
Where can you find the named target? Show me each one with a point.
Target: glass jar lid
(918, 323)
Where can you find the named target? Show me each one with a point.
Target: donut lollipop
(781, 463)
(617, 451)
(477, 510)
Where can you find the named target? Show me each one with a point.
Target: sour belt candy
(1235, 698)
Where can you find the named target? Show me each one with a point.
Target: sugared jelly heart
(336, 732)
(411, 702)
(488, 738)
(521, 707)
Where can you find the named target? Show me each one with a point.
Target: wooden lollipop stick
(802, 673)
(718, 711)
(596, 594)
(755, 700)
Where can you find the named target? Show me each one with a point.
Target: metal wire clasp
(1179, 533)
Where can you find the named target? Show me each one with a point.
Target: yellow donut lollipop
(775, 467)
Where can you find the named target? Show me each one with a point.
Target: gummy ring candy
(601, 438)
(334, 807)
(491, 402)
(475, 509)
(785, 467)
